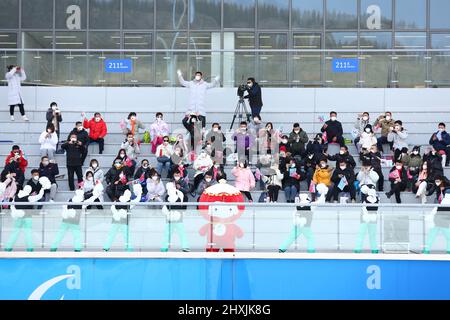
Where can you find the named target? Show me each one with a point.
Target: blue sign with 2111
(118, 66)
(345, 65)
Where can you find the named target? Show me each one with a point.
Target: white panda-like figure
(368, 219)
(438, 221)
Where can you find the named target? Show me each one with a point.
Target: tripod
(241, 109)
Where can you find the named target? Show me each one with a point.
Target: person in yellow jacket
(322, 175)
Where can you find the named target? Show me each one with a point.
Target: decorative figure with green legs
(71, 218)
(368, 224)
(22, 214)
(120, 221)
(439, 222)
(174, 219)
(302, 220)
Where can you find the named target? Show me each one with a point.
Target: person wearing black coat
(53, 116)
(292, 175)
(254, 96)
(434, 159)
(334, 130)
(82, 136)
(117, 179)
(14, 169)
(49, 170)
(374, 157)
(398, 183)
(142, 174)
(343, 156)
(74, 159)
(342, 170)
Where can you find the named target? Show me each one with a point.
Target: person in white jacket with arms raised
(15, 76)
(197, 94)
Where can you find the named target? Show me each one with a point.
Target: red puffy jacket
(23, 163)
(97, 129)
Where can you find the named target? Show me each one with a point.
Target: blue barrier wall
(222, 279)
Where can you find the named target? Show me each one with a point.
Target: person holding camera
(254, 96)
(15, 76)
(74, 157)
(48, 140)
(17, 157)
(385, 122)
(82, 137)
(197, 94)
(398, 136)
(54, 117)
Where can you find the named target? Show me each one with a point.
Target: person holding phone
(15, 76)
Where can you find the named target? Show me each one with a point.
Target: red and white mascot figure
(221, 229)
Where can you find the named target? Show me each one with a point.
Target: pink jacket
(9, 191)
(159, 128)
(245, 181)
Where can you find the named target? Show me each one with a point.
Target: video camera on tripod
(241, 90)
(241, 107)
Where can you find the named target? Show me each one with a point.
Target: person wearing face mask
(99, 175)
(414, 162)
(322, 175)
(13, 171)
(181, 184)
(193, 125)
(244, 179)
(35, 185)
(343, 179)
(216, 138)
(17, 156)
(297, 140)
(82, 138)
(440, 185)
(8, 187)
(398, 136)
(333, 130)
(48, 140)
(131, 147)
(292, 175)
(422, 183)
(197, 94)
(385, 122)
(132, 125)
(399, 177)
(207, 182)
(284, 143)
(155, 187)
(243, 140)
(440, 140)
(128, 162)
(269, 139)
(15, 76)
(434, 160)
(54, 117)
(343, 155)
(272, 178)
(49, 170)
(158, 130)
(164, 154)
(179, 162)
(97, 130)
(254, 96)
(373, 156)
(360, 125)
(117, 179)
(74, 159)
(142, 174)
(367, 138)
(201, 165)
(367, 175)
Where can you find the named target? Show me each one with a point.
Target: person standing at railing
(54, 117)
(197, 94)
(15, 76)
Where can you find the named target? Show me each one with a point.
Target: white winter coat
(399, 139)
(197, 94)
(367, 140)
(14, 87)
(48, 143)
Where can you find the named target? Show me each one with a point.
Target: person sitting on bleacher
(398, 136)
(74, 159)
(343, 179)
(132, 125)
(181, 184)
(367, 138)
(441, 184)
(298, 138)
(82, 137)
(158, 130)
(399, 177)
(273, 179)
(127, 161)
(155, 187)
(132, 150)
(216, 138)
(17, 157)
(142, 174)
(440, 140)
(413, 161)
(291, 181)
(244, 179)
(117, 179)
(360, 125)
(243, 141)
(333, 130)
(164, 154)
(201, 165)
(49, 170)
(313, 154)
(322, 175)
(54, 117)
(367, 175)
(343, 155)
(8, 187)
(36, 187)
(434, 160)
(97, 130)
(268, 139)
(385, 122)
(374, 157)
(88, 186)
(178, 162)
(207, 182)
(422, 184)
(98, 172)
(48, 140)
(13, 170)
